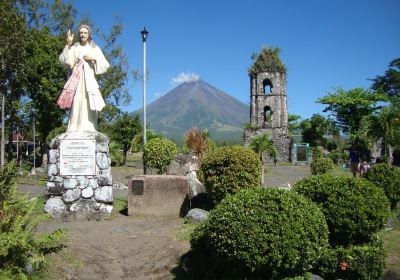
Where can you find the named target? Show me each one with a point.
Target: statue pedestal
(80, 181)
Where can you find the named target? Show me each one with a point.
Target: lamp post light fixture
(144, 33)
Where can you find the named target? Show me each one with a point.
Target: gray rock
(105, 210)
(102, 160)
(55, 207)
(389, 224)
(104, 180)
(82, 182)
(53, 156)
(53, 170)
(72, 195)
(195, 186)
(102, 147)
(93, 183)
(54, 188)
(87, 193)
(174, 168)
(56, 179)
(104, 194)
(55, 143)
(316, 277)
(103, 172)
(197, 215)
(83, 209)
(70, 183)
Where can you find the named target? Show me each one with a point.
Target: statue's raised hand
(70, 38)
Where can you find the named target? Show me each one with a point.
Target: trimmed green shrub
(388, 178)
(158, 153)
(19, 247)
(229, 169)
(358, 262)
(354, 209)
(261, 233)
(321, 165)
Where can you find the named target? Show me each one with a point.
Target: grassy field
(391, 239)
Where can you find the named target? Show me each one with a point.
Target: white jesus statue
(81, 92)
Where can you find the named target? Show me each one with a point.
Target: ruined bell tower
(268, 101)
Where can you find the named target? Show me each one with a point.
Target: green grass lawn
(391, 240)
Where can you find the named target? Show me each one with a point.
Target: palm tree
(385, 126)
(262, 145)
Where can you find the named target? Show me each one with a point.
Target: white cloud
(158, 94)
(184, 78)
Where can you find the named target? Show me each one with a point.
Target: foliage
(262, 233)
(227, 170)
(349, 107)
(197, 141)
(55, 132)
(321, 165)
(390, 82)
(123, 129)
(117, 158)
(338, 156)
(158, 153)
(18, 245)
(267, 61)
(354, 209)
(294, 123)
(314, 129)
(358, 262)
(46, 77)
(387, 178)
(137, 141)
(384, 125)
(262, 145)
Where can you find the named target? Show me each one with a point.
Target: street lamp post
(144, 33)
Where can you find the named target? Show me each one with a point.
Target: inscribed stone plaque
(78, 157)
(301, 153)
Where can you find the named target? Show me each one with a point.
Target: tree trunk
(3, 100)
(262, 170)
(10, 144)
(124, 157)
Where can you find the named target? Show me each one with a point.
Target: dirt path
(120, 248)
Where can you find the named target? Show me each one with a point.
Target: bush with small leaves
(354, 209)
(358, 262)
(227, 170)
(158, 154)
(388, 178)
(263, 233)
(321, 165)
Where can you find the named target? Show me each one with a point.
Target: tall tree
(294, 123)
(13, 55)
(314, 129)
(123, 129)
(349, 107)
(389, 83)
(45, 80)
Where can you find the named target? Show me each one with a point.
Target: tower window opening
(267, 114)
(267, 86)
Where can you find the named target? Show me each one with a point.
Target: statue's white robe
(87, 99)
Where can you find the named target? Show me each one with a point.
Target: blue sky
(325, 44)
